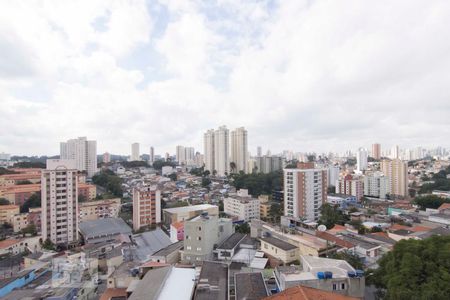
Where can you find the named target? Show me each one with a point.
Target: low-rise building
(12, 246)
(242, 205)
(332, 275)
(212, 282)
(168, 255)
(202, 233)
(20, 221)
(279, 249)
(177, 214)
(227, 249)
(176, 232)
(103, 230)
(250, 286)
(7, 213)
(88, 191)
(94, 210)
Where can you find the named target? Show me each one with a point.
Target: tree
(206, 182)
(243, 228)
(173, 176)
(48, 245)
(107, 179)
(4, 201)
(29, 164)
(415, 269)
(376, 229)
(331, 215)
(430, 201)
(232, 166)
(353, 259)
(33, 201)
(4, 171)
(158, 164)
(275, 211)
(30, 229)
(81, 198)
(258, 183)
(21, 182)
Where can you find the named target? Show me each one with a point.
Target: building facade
(377, 185)
(242, 205)
(83, 151)
(397, 171)
(146, 206)
(93, 210)
(376, 151)
(361, 160)
(135, 154)
(239, 149)
(208, 143)
(305, 190)
(221, 151)
(350, 185)
(59, 201)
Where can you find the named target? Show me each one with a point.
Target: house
(227, 249)
(212, 282)
(169, 254)
(279, 249)
(177, 231)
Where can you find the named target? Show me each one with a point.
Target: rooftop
(185, 209)
(169, 249)
(8, 243)
(232, 241)
(104, 227)
(114, 293)
(308, 293)
(212, 282)
(250, 286)
(279, 243)
(358, 241)
(149, 242)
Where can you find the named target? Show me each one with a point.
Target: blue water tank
(359, 273)
(328, 275)
(321, 275)
(351, 274)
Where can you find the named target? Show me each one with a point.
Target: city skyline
(321, 87)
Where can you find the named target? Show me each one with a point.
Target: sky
(299, 75)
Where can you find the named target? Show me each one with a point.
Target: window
(334, 286)
(199, 249)
(199, 228)
(199, 238)
(343, 286)
(188, 248)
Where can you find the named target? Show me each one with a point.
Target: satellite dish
(322, 228)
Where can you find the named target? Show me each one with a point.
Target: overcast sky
(300, 75)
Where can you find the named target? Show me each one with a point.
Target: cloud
(300, 75)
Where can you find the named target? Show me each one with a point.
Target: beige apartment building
(93, 210)
(7, 213)
(397, 171)
(146, 206)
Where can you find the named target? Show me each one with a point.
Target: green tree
(22, 182)
(48, 245)
(243, 228)
(33, 201)
(158, 164)
(173, 176)
(331, 215)
(206, 181)
(415, 269)
(275, 212)
(430, 201)
(107, 179)
(331, 189)
(82, 198)
(4, 201)
(30, 229)
(29, 164)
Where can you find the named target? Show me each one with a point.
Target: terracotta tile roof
(444, 206)
(111, 292)
(307, 293)
(396, 227)
(178, 225)
(8, 243)
(332, 238)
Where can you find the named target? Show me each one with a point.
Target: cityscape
(224, 150)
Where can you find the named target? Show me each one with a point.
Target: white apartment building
(208, 143)
(84, 153)
(180, 155)
(361, 160)
(239, 149)
(135, 154)
(242, 205)
(59, 194)
(221, 151)
(377, 185)
(333, 174)
(305, 190)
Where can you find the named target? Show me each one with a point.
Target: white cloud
(299, 75)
